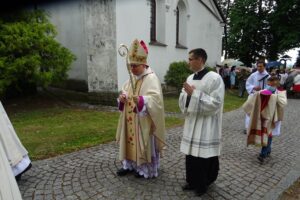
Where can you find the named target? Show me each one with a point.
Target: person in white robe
(15, 152)
(141, 128)
(256, 82)
(201, 100)
(9, 189)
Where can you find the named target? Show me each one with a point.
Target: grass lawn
(53, 131)
(171, 104)
(47, 131)
(232, 101)
(292, 193)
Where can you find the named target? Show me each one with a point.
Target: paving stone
(91, 173)
(48, 197)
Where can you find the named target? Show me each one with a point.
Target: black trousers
(201, 172)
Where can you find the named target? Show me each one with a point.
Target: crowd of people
(235, 77)
(141, 127)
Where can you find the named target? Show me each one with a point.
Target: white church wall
(203, 30)
(94, 29)
(88, 29)
(68, 18)
(132, 21)
(100, 27)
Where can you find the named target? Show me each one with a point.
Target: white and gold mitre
(138, 52)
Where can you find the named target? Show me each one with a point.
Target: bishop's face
(137, 69)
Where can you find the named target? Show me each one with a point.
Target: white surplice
(8, 186)
(15, 152)
(203, 116)
(256, 79)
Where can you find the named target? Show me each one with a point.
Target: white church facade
(94, 29)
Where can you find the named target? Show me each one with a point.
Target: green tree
(261, 27)
(246, 24)
(225, 6)
(29, 52)
(284, 27)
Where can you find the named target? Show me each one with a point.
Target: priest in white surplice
(256, 82)
(15, 152)
(8, 185)
(201, 100)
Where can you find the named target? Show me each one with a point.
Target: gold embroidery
(132, 129)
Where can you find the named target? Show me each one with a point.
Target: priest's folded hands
(189, 89)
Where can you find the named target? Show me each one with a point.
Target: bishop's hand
(135, 98)
(122, 98)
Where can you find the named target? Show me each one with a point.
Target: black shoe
(137, 175)
(123, 172)
(245, 132)
(27, 168)
(261, 159)
(18, 177)
(200, 192)
(187, 187)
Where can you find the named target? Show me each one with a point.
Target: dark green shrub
(177, 74)
(29, 53)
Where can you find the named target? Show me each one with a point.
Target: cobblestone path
(91, 173)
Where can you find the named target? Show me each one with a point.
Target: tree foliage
(263, 28)
(29, 52)
(225, 6)
(284, 23)
(246, 24)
